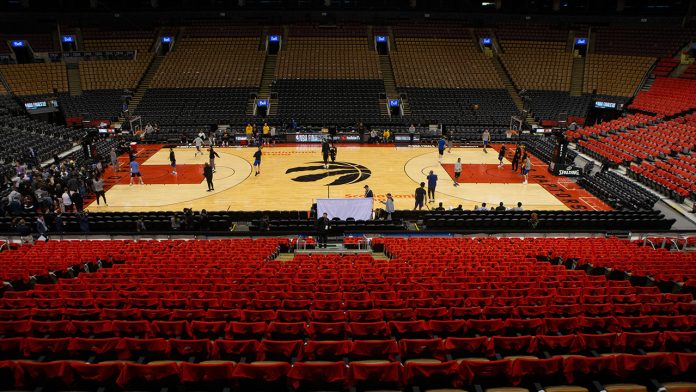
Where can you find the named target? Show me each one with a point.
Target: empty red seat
(421, 349)
(149, 376)
(324, 375)
(447, 328)
(279, 350)
(549, 370)
(261, 375)
(372, 330)
(246, 330)
(371, 376)
(151, 348)
(486, 373)
(679, 341)
(31, 374)
(207, 375)
(512, 345)
(410, 329)
(85, 348)
(237, 350)
(14, 328)
(558, 344)
(333, 350)
(643, 341)
(95, 375)
(207, 329)
(328, 315)
(327, 331)
(458, 348)
(170, 329)
(429, 376)
(485, 327)
(564, 325)
(374, 350)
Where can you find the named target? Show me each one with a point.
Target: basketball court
(292, 177)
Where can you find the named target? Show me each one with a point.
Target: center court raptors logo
(340, 172)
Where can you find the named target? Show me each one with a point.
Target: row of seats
(195, 350)
(580, 372)
(675, 179)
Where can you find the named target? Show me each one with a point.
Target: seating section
(36, 78)
(572, 221)
(658, 153)
(667, 96)
(618, 192)
(92, 104)
(538, 65)
(442, 63)
(101, 40)
(544, 148)
(211, 63)
(113, 74)
(195, 106)
(548, 105)
(327, 58)
(441, 313)
(689, 72)
(462, 106)
(674, 176)
(328, 101)
(615, 75)
(640, 41)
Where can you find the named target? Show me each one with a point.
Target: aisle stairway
(74, 85)
(144, 84)
(385, 67)
(267, 77)
(577, 76)
(510, 87)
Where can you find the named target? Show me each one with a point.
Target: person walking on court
(526, 168)
(257, 161)
(389, 206)
(114, 160)
(486, 138)
(172, 160)
(450, 143)
(368, 192)
(212, 157)
(325, 152)
(432, 183)
(332, 152)
(457, 171)
(441, 144)
(501, 155)
(516, 158)
(98, 184)
(420, 197)
(523, 160)
(135, 172)
(323, 227)
(208, 174)
(198, 141)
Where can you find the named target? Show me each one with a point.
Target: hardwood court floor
(292, 177)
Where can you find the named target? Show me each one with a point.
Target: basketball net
(511, 132)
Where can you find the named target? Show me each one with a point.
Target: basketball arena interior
(348, 195)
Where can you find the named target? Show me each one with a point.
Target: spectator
(175, 223)
(534, 220)
(439, 207)
(58, 223)
(323, 227)
(500, 207)
(24, 231)
(458, 208)
(483, 207)
(518, 208)
(420, 196)
(204, 220)
(41, 228)
(83, 219)
(389, 206)
(264, 223)
(140, 225)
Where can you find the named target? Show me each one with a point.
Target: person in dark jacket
(208, 174)
(212, 155)
(323, 227)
